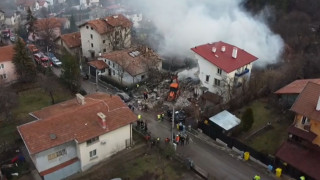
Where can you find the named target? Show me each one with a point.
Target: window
(1, 66)
(91, 28)
(142, 76)
(104, 41)
(114, 72)
(91, 44)
(91, 36)
(3, 76)
(93, 153)
(87, 27)
(219, 71)
(112, 64)
(57, 154)
(109, 63)
(104, 50)
(92, 140)
(305, 120)
(207, 78)
(217, 82)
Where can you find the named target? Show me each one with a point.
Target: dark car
(179, 116)
(124, 96)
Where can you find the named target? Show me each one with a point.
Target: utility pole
(172, 125)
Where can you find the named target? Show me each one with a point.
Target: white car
(56, 62)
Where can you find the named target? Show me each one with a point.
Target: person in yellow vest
(256, 177)
(162, 116)
(159, 117)
(137, 85)
(139, 117)
(302, 178)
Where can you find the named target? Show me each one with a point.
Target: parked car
(124, 96)
(179, 116)
(56, 62)
(13, 38)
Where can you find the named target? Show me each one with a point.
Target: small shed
(225, 121)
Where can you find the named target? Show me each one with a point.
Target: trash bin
(246, 156)
(278, 172)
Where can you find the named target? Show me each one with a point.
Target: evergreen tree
(25, 67)
(247, 119)
(70, 71)
(31, 20)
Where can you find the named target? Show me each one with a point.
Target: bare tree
(48, 30)
(8, 100)
(119, 38)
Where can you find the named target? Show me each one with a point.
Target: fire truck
(42, 60)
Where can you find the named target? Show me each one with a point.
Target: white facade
(7, 72)
(94, 43)
(108, 144)
(42, 162)
(218, 81)
(115, 72)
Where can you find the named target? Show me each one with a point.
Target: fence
(230, 142)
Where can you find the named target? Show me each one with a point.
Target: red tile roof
(6, 53)
(304, 159)
(307, 135)
(99, 64)
(296, 86)
(132, 65)
(70, 121)
(224, 60)
(307, 101)
(72, 40)
(107, 24)
(60, 166)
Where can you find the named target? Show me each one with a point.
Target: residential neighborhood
(111, 89)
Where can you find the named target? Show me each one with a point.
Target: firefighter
(159, 117)
(162, 116)
(256, 177)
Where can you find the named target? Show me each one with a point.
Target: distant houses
(7, 68)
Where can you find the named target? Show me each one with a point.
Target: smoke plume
(184, 24)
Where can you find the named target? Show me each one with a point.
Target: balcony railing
(238, 74)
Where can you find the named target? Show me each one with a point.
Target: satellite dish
(53, 136)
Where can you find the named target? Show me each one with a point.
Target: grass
(29, 100)
(268, 140)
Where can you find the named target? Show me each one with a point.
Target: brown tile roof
(296, 86)
(306, 102)
(303, 159)
(99, 64)
(72, 40)
(6, 53)
(71, 121)
(107, 24)
(60, 166)
(132, 65)
(310, 136)
(118, 20)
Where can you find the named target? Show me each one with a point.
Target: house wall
(314, 127)
(74, 51)
(9, 70)
(116, 73)
(226, 79)
(115, 141)
(97, 41)
(41, 159)
(64, 172)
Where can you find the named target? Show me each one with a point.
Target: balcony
(239, 74)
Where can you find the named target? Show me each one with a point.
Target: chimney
(103, 121)
(318, 105)
(223, 48)
(80, 99)
(234, 52)
(214, 49)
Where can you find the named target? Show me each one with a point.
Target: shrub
(247, 119)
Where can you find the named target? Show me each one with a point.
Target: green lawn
(269, 140)
(29, 100)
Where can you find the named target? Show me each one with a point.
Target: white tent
(225, 120)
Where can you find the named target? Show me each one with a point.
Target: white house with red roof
(74, 135)
(105, 35)
(7, 68)
(222, 67)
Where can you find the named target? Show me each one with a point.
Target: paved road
(220, 162)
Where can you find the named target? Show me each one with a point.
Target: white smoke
(188, 23)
